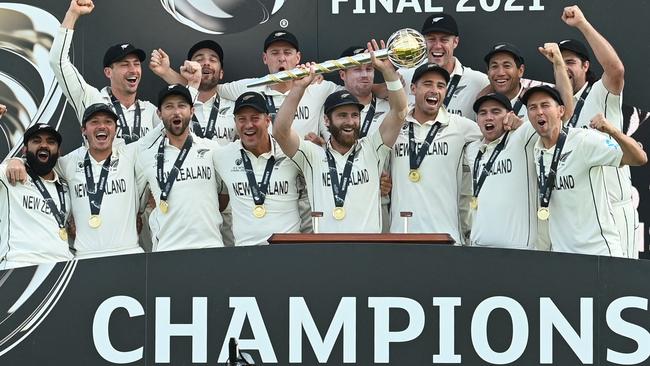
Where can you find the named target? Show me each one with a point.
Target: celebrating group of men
(473, 155)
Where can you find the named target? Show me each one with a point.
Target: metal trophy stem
(405, 48)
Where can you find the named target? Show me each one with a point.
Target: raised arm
(79, 93)
(160, 65)
(613, 69)
(633, 153)
(282, 132)
(397, 100)
(552, 53)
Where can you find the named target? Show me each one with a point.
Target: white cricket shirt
(193, 219)
(224, 128)
(362, 203)
(434, 199)
(580, 215)
(117, 233)
(281, 202)
(506, 212)
(29, 233)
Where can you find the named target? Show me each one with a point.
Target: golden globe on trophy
(405, 48)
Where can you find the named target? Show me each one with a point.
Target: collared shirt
(193, 218)
(82, 95)
(469, 85)
(29, 233)
(120, 204)
(505, 216)
(281, 201)
(434, 199)
(580, 215)
(362, 203)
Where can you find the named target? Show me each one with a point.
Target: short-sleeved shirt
(193, 218)
(580, 215)
(469, 85)
(434, 199)
(29, 233)
(505, 216)
(309, 110)
(117, 233)
(281, 200)
(362, 202)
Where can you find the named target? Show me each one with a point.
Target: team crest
(224, 110)
(124, 46)
(437, 19)
(280, 34)
(564, 156)
(200, 153)
(238, 161)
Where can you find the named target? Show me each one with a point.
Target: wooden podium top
(361, 238)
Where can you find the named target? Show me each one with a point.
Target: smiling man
(261, 180)
(427, 158)
(121, 67)
(34, 214)
(343, 177)
(505, 68)
(442, 36)
(572, 195)
(106, 191)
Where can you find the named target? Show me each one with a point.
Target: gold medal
(259, 211)
(473, 203)
(543, 213)
(95, 221)
(164, 206)
(414, 176)
(339, 213)
(63, 234)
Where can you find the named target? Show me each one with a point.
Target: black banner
(360, 304)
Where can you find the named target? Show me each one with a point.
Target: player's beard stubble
(344, 139)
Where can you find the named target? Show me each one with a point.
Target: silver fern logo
(222, 16)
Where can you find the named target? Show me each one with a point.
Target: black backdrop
(324, 28)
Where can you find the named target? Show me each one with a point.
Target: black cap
(281, 35)
(174, 89)
(430, 67)
(574, 46)
(353, 50)
(120, 51)
(440, 22)
(545, 89)
(98, 108)
(41, 127)
(339, 99)
(251, 99)
(209, 44)
(502, 99)
(505, 47)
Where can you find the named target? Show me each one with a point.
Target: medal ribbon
(368, 120)
(121, 120)
(487, 168)
(59, 215)
(258, 192)
(581, 102)
(547, 183)
(415, 156)
(212, 121)
(340, 189)
(166, 185)
(96, 191)
(451, 89)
